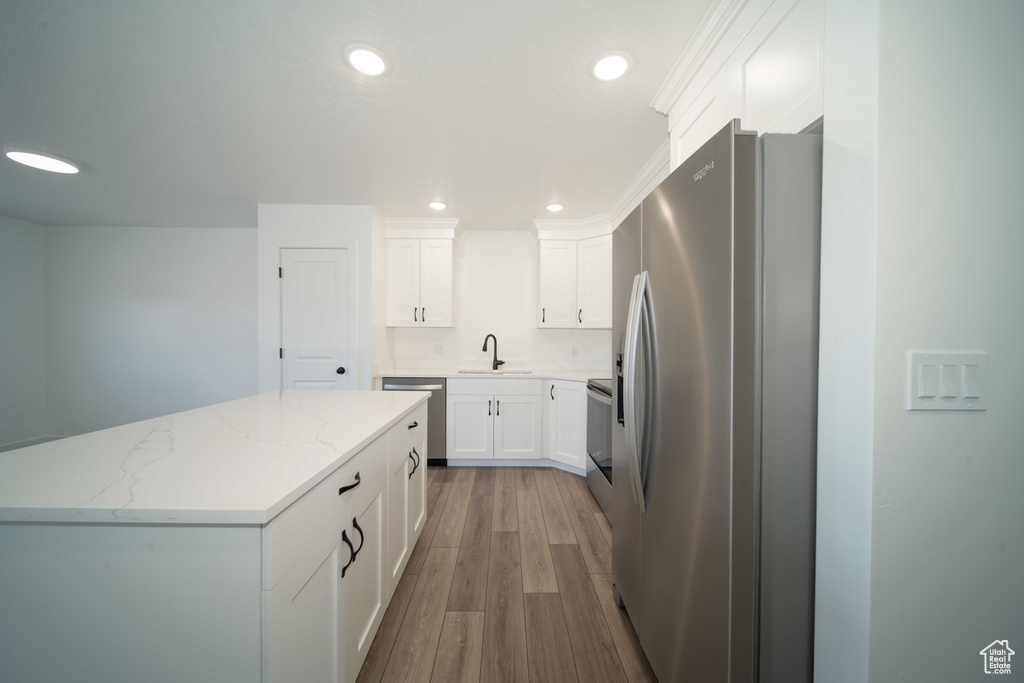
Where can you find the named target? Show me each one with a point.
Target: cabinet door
(517, 426)
(418, 494)
(567, 431)
(557, 283)
(398, 522)
(364, 587)
(304, 613)
(403, 283)
(594, 283)
(435, 283)
(470, 428)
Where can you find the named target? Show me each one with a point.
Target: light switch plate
(941, 380)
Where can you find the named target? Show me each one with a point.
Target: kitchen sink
(495, 372)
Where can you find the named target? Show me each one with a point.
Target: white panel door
(318, 319)
(567, 431)
(557, 283)
(305, 611)
(403, 282)
(470, 432)
(435, 283)
(594, 283)
(398, 522)
(364, 586)
(517, 426)
(418, 493)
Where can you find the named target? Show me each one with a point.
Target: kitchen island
(258, 539)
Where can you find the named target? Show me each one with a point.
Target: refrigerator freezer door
(686, 533)
(623, 514)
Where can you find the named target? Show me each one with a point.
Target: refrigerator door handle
(649, 378)
(630, 385)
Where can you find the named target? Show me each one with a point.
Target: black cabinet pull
(499, 408)
(543, 315)
(413, 470)
(423, 314)
(488, 408)
(581, 316)
(352, 556)
(552, 392)
(414, 424)
(362, 538)
(415, 462)
(359, 480)
(340, 371)
(415, 312)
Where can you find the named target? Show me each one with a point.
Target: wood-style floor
(509, 581)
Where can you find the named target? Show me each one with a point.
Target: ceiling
(190, 113)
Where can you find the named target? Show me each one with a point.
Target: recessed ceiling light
(555, 207)
(43, 162)
(437, 206)
(366, 60)
(611, 65)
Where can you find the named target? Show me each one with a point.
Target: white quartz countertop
(240, 462)
(571, 375)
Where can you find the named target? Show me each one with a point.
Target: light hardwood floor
(509, 581)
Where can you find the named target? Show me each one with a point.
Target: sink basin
(495, 372)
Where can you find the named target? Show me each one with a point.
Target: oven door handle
(413, 387)
(598, 396)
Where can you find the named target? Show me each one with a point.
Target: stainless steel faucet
(496, 363)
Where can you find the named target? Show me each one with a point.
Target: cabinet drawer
(294, 531)
(403, 436)
(496, 385)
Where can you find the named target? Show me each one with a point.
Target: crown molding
(579, 229)
(650, 176)
(713, 25)
(439, 228)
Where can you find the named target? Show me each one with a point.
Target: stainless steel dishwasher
(436, 419)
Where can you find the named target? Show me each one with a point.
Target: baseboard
(28, 442)
(543, 462)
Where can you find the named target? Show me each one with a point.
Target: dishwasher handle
(413, 387)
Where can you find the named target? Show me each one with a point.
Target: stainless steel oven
(599, 440)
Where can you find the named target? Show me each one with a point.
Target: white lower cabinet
(470, 429)
(320, 617)
(565, 422)
(494, 419)
(398, 520)
(364, 586)
(517, 426)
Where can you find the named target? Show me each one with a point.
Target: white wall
(22, 333)
(496, 280)
(142, 322)
(312, 226)
(947, 556)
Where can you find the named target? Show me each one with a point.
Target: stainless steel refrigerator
(715, 281)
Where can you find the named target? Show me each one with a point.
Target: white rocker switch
(940, 380)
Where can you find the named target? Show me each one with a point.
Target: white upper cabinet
(435, 283)
(576, 283)
(557, 283)
(594, 283)
(419, 282)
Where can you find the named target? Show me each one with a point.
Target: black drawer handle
(362, 538)
(581, 316)
(414, 424)
(352, 557)
(543, 315)
(359, 480)
(552, 392)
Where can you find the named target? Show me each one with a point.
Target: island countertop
(240, 462)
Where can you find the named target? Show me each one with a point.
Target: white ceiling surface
(189, 113)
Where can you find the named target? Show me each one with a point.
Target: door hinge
(280, 272)
(280, 353)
